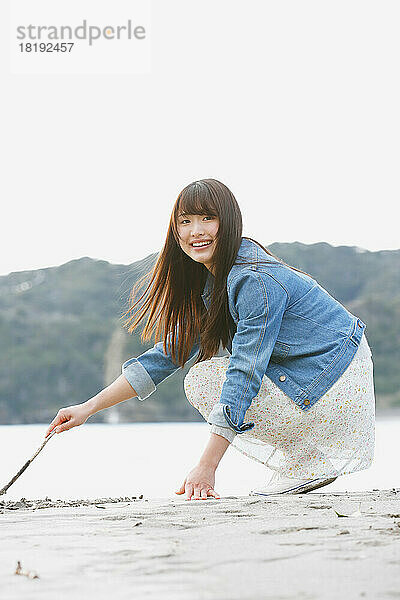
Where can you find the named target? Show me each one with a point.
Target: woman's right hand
(69, 417)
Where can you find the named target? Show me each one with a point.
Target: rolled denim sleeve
(225, 432)
(218, 423)
(146, 371)
(259, 302)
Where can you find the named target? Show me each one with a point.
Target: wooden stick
(26, 465)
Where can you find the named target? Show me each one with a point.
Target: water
(96, 460)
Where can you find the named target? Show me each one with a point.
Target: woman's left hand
(199, 484)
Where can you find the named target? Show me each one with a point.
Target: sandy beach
(249, 547)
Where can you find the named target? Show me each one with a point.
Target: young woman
(295, 391)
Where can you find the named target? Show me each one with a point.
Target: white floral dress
(335, 437)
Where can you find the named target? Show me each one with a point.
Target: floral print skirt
(335, 437)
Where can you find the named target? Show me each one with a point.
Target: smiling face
(195, 229)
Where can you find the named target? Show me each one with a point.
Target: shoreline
(247, 547)
(384, 413)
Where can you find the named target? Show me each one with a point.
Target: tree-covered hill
(62, 339)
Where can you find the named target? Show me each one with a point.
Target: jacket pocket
(280, 352)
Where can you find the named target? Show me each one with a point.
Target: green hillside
(62, 341)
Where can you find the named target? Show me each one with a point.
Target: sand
(249, 547)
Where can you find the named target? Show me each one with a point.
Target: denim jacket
(284, 326)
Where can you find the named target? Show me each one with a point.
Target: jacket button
(282, 378)
(306, 402)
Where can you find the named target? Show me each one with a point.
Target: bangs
(196, 200)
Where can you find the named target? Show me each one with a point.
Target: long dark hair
(171, 291)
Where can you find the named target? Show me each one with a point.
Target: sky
(292, 104)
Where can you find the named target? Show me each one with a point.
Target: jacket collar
(247, 251)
